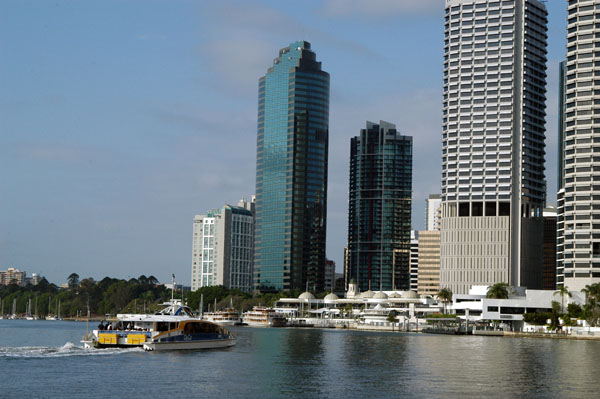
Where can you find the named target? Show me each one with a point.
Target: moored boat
(261, 316)
(228, 317)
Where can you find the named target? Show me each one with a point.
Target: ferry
(261, 316)
(228, 317)
(173, 327)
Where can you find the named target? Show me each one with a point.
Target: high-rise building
(578, 223)
(433, 206)
(379, 208)
(291, 172)
(329, 275)
(346, 271)
(429, 262)
(223, 248)
(493, 185)
(549, 266)
(414, 260)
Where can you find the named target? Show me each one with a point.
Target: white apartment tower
(578, 223)
(432, 212)
(493, 186)
(223, 248)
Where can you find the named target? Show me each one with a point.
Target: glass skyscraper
(291, 172)
(379, 208)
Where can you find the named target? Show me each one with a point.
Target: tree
(562, 291)
(498, 291)
(445, 295)
(73, 280)
(574, 310)
(391, 318)
(554, 323)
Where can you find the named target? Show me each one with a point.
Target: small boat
(261, 316)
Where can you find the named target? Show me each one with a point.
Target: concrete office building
(291, 172)
(379, 208)
(578, 225)
(223, 248)
(429, 263)
(493, 185)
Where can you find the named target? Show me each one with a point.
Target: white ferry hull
(256, 324)
(188, 345)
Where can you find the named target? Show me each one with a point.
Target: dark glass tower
(379, 209)
(291, 172)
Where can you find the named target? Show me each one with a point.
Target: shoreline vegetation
(110, 296)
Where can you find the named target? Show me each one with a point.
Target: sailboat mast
(173, 287)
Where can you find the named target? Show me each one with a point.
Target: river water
(44, 359)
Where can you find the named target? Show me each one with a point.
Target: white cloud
(381, 8)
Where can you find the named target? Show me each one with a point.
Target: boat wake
(67, 350)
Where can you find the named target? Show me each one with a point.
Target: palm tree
(498, 291)
(586, 291)
(562, 291)
(445, 295)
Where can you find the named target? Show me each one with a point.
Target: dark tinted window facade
(291, 172)
(379, 210)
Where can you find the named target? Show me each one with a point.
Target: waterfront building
(549, 266)
(223, 247)
(291, 172)
(429, 263)
(578, 241)
(433, 212)
(414, 260)
(12, 275)
(493, 184)
(379, 208)
(476, 307)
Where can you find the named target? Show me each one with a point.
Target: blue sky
(120, 120)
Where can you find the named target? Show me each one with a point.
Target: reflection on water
(299, 363)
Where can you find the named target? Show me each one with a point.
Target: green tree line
(112, 296)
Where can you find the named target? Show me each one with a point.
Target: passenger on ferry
(101, 326)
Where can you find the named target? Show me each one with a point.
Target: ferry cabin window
(202, 328)
(492, 308)
(162, 326)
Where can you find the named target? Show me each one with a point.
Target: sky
(121, 120)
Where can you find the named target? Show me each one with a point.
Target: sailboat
(50, 316)
(14, 309)
(1, 308)
(28, 315)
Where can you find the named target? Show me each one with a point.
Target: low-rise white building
(476, 307)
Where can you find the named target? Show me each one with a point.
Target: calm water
(44, 359)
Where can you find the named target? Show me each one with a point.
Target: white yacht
(228, 317)
(261, 316)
